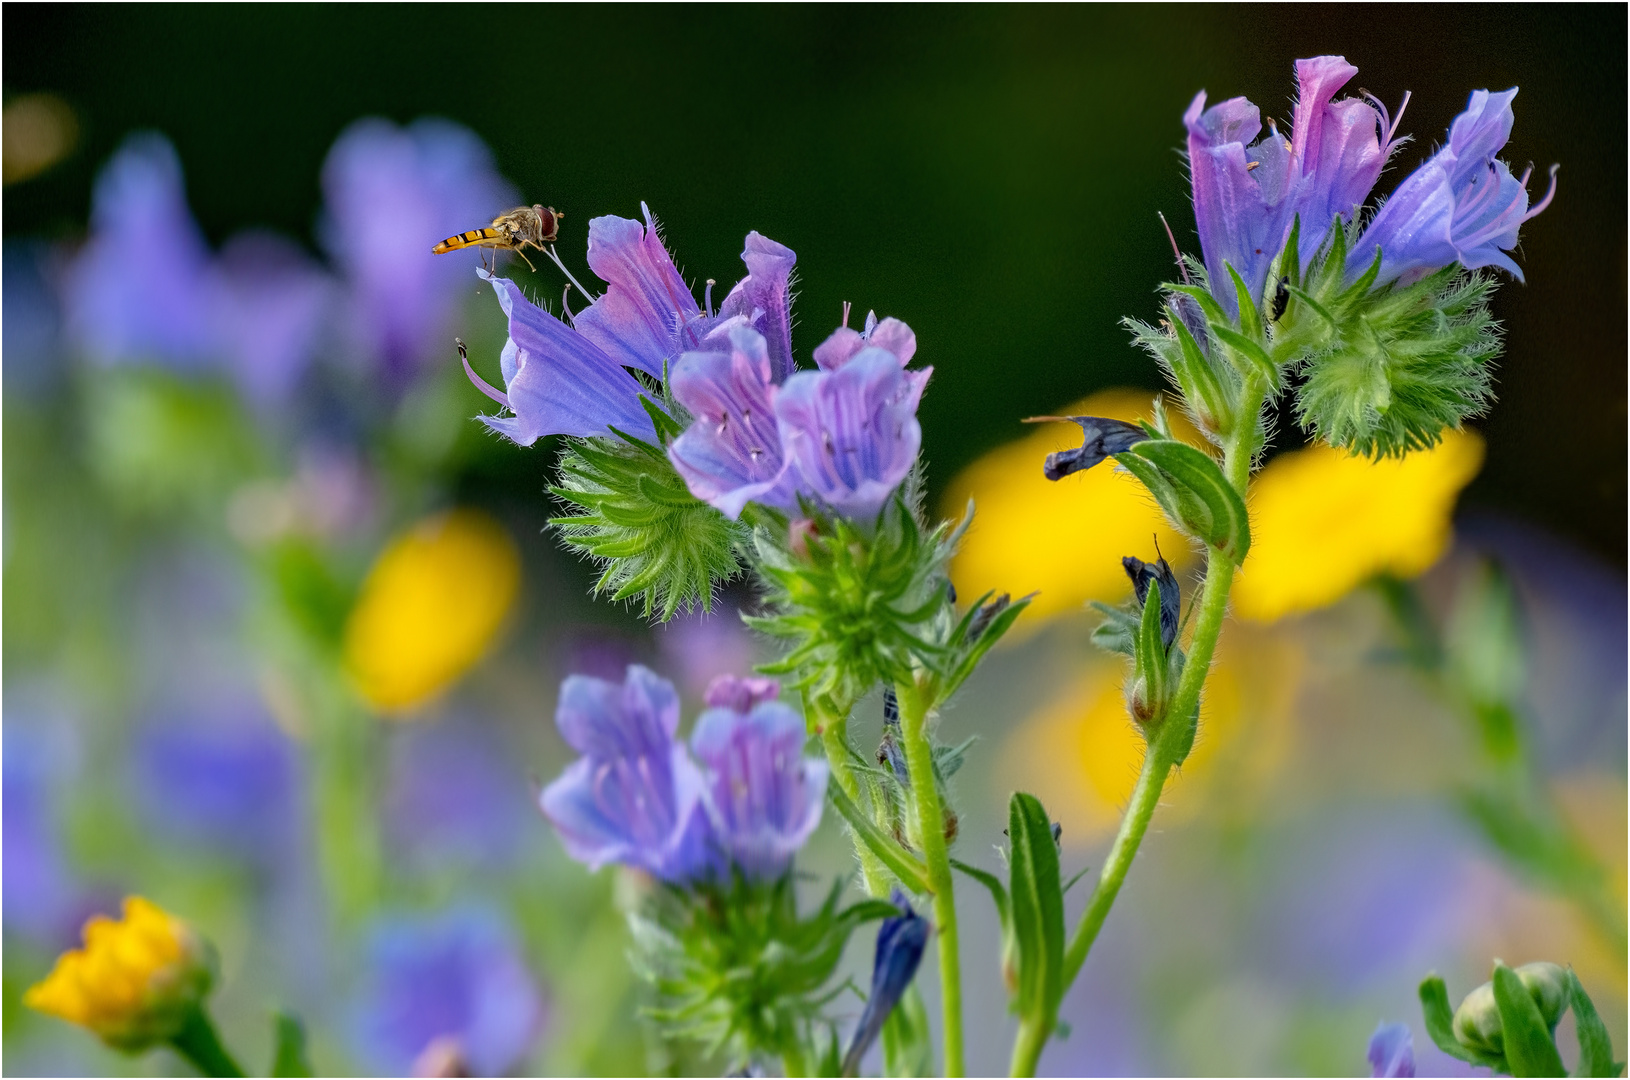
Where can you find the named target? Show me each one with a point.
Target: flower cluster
(742, 799)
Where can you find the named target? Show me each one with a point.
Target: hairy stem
(834, 726)
(931, 835)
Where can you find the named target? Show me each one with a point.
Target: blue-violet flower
(900, 944)
(1392, 1051)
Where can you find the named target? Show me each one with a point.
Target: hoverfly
(534, 225)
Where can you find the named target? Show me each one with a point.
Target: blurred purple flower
(455, 796)
(731, 455)
(851, 435)
(146, 288)
(40, 892)
(697, 645)
(1247, 192)
(635, 796)
(900, 944)
(740, 694)
(140, 287)
(226, 778)
(456, 978)
(390, 193)
(844, 343)
(557, 381)
(764, 796)
(764, 299)
(1392, 1051)
(32, 330)
(1461, 206)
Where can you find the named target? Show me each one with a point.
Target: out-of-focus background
(283, 629)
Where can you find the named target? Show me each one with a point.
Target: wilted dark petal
(901, 942)
(1171, 602)
(1101, 437)
(732, 453)
(637, 321)
(764, 299)
(1392, 1051)
(740, 694)
(765, 797)
(557, 381)
(852, 434)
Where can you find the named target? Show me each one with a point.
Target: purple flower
(891, 335)
(457, 978)
(389, 194)
(456, 796)
(851, 435)
(764, 796)
(635, 797)
(269, 305)
(739, 694)
(1248, 193)
(641, 317)
(764, 299)
(557, 381)
(139, 289)
(900, 944)
(41, 895)
(1461, 206)
(731, 455)
(1392, 1051)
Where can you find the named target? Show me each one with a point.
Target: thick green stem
(1027, 1048)
(200, 1045)
(931, 836)
(834, 725)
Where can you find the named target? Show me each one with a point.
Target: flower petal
(764, 298)
(637, 321)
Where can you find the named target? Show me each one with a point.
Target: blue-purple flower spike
(1101, 438)
(900, 944)
(764, 796)
(557, 381)
(635, 797)
(1392, 1051)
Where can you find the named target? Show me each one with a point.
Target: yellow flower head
(1323, 523)
(135, 982)
(1063, 539)
(430, 608)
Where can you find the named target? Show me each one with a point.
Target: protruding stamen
(1252, 166)
(846, 313)
(480, 384)
(1176, 252)
(707, 297)
(550, 251)
(1543, 203)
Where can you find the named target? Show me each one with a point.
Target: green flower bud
(1477, 1022)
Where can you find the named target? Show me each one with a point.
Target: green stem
(793, 1062)
(872, 841)
(1027, 1047)
(834, 727)
(200, 1045)
(931, 836)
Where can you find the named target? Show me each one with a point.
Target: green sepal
(1197, 378)
(289, 1055)
(1191, 489)
(1150, 687)
(1250, 320)
(1253, 353)
(658, 545)
(1530, 1046)
(1439, 1020)
(1037, 900)
(1595, 1045)
(1118, 632)
(901, 863)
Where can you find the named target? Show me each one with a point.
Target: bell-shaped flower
(390, 192)
(731, 454)
(557, 381)
(764, 299)
(638, 320)
(1462, 206)
(764, 796)
(635, 797)
(891, 335)
(851, 434)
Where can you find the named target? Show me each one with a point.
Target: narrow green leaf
(1250, 320)
(1530, 1048)
(904, 866)
(1038, 910)
(1207, 302)
(1192, 490)
(1290, 263)
(1595, 1045)
(992, 883)
(1251, 351)
(1151, 655)
(1196, 378)
(1440, 1021)
(289, 1047)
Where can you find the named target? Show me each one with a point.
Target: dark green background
(989, 174)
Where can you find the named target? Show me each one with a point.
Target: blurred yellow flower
(1323, 523)
(137, 980)
(430, 608)
(1063, 539)
(1081, 754)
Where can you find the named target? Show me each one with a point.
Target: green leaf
(1595, 1045)
(1151, 662)
(289, 1047)
(1249, 319)
(1530, 1047)
(904, 865)
(1192, 490)
(1118, 632)
(1251, 351)
(1440, 1020)
(991, 882)
(908, 1044)
(1038, 910)
(1195, 376)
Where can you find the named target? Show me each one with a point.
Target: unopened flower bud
(1477, 1022)
(137, 981)
(798, 534)
(900, 944)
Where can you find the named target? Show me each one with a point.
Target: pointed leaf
(1595, 1045)
(1151, 655)
(1255, 354)
(1530, 1048)
(1038, 910)
(1249, 319)
(289, 1047)
(1192, 490)
(1440, 1021)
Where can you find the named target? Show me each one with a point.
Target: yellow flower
(136, 981)
(1063, 539)
(1323, 523)
(430, 608)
